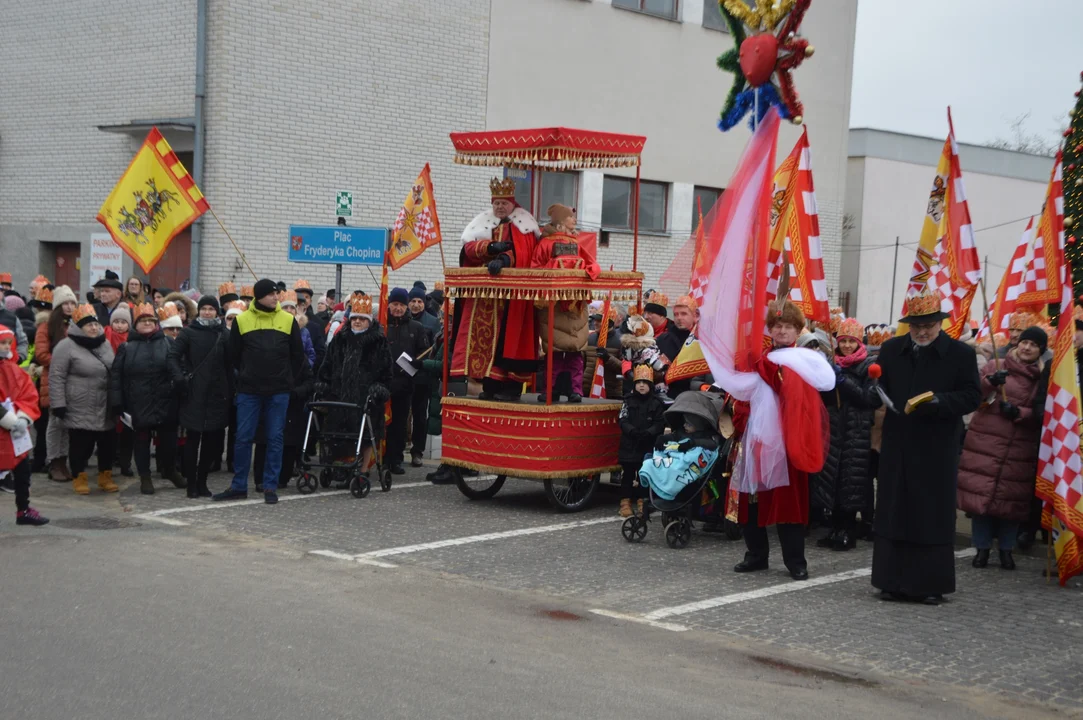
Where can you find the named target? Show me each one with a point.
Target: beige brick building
(306, 99)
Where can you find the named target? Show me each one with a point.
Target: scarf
(854, 358)
(209, 322)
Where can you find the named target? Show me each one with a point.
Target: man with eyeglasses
(932, 382)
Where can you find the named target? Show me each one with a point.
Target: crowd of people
(192, 381)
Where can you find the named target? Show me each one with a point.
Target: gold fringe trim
(587, 406)
(530, 474)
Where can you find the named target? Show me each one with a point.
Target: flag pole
(894, 274)
(443, 262)
(243, 258)
(989, 324)
(1049, 552)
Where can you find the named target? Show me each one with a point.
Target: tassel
(886, 400)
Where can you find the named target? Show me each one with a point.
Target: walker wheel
(360, 486)
(634, 529)
(306, 484)
(385, 480)
(679, 533)
(326, 476)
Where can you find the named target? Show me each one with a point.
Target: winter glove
(927, 409)
(1008, 410)
(495, 248)
(20, 429)
(999, 377)
(418, 364)
(118, 410)
(603, 354)
(59, 412)
(498, 264)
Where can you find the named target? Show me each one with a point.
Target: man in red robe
(495, 339)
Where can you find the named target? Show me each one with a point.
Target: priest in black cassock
(913, 554)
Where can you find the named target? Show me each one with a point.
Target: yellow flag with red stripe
(154, 200)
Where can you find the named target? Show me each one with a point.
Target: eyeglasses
(924, 327)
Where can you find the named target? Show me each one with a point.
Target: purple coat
(1000, 456)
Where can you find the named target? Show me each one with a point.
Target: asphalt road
(426, 605)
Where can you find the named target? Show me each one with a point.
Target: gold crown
(302, 285)
(643, 372)
(144, 310)
(658, 298)
(502, 189)
(248, 291)
(227, 288)
(361, 305)
(167, 310)
(850, 327)
(926, 302)
(686, 301)
(83, 311)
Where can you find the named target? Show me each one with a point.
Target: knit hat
(1037, 336)
(418, 285)
(559, 213)
(121, 313)
(417, 293)
(437, 296)
(209, 300)
(263, 288)
(399, 295)
(6, 332)
(62, 295)
(14, 302)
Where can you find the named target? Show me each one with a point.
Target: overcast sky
(991, 60)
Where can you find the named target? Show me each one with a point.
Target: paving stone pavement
(1008, 633)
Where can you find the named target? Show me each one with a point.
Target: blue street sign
(337, 244)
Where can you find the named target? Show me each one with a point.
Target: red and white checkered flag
(597, 387)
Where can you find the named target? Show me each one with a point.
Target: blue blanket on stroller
(671, 469)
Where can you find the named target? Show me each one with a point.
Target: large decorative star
(766, 49)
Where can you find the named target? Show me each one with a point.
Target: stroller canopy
(705, 405)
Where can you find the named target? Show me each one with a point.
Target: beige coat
(570, 331)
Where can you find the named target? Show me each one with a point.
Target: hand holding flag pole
(989, 324)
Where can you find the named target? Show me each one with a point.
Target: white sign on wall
(104, 255)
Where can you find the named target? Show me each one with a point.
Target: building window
(617, 201)
(552, 187)
(712, 16)
(704, 197)
(661, 8)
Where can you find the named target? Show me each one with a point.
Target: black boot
(828, 540)
(201, 488)
(1007, 562)
(981, 559)
(146, 485)
(845, 540)
(750, 565)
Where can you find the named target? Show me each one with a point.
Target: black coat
(317, 329)
(354, 364)
(919, 457)
(845, 483)
(642, 420)
(141, 382)
(405, 335)
(199, 364)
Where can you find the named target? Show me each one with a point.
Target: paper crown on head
(44, 295)
(686, 301)
(144, 310)
(877, 335)
(167, 310)
(1077, 312)
(81, 312)
(39, 281)
(924, 306)
(850, 327)
(1001, 339)
(303, 286)
(236, 307)
(502, 189)
(658, 298)
(784, 311)
(5, 278)
(248, 291)
(227, 288)
(361, 305)
(1023, 319)
(643, 373)
(438, 285)
(289, 298)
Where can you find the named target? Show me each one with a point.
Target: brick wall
(305, 99)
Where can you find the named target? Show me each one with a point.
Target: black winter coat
(642, 421)
(199, 364)
(317, 328)
(405, 335)
(354, 364)
(845, 483)
(919, 458)
(141, 381)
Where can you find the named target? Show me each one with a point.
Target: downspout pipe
(197, 146)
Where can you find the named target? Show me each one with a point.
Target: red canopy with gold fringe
(550, 148)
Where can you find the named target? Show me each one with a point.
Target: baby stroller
(685, 485)
(338, 452)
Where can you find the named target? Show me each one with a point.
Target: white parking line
(344, 556)
(639, 619)
(709, 603)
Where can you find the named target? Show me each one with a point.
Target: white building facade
(889, 176)
(307, 99)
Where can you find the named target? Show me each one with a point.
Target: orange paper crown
(926, 302)
(643, 372)
(658, 298)
(438, 286)
(1022, 320)
(238, 305)
(1077, 312)
(83, 311)
(227, 288)
(248, 291)
(850, 327)
(39, 281)
(289, 298)
(167, 310)
(302, 285)
(44, 295)
(5, 278)
(686, 301)
(144, 310)
(361, 305)
(502, 189)
(877, 334)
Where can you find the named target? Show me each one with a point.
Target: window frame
(695, 210)
(675, 17)
(628, 227)
(539, 175)
(707, 7)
